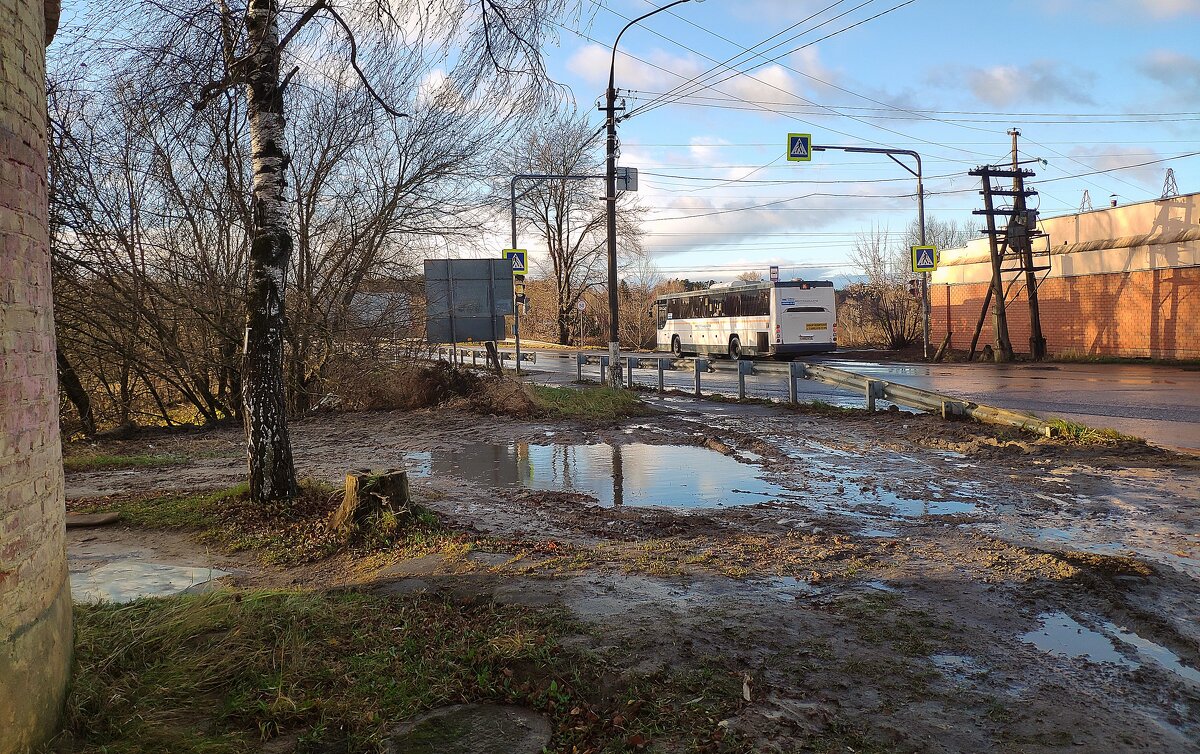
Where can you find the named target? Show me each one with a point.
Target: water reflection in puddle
(1062, 635)
(636, 474)
(127, 580)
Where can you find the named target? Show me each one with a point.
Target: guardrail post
(745, 367)
(795, 372)
(603, 369)
(700, 365)
(664, 365)
(631, 363)
(874, 390)
(580, 358)
(474, 358)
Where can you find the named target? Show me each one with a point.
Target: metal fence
(872, 389)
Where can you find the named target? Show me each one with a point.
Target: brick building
(35, 593)
(1124, 281)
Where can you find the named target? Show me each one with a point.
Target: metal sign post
(580, 305)
(800, 149)
(518, 259)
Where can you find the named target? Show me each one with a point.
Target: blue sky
(1086, 81)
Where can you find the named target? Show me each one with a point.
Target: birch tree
(257, 47)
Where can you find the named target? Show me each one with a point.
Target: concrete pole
(610, 200)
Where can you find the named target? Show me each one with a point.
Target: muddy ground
(885, 583)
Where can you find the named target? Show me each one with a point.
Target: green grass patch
(103, 461)
(319, 672)
(1084, 435)
(226, 671)
(285, 533)
(598, 404)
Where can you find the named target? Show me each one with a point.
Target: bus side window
(660, 311)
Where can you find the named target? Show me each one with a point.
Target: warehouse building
(1122, 281)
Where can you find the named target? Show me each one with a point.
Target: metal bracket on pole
(700, 365)
(874, 390)
(795, 372)
(745, 367)
(631, 363)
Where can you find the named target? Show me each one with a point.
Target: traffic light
(914, 289)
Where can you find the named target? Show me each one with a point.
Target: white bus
(742, 319)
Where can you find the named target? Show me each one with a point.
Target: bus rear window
(807, 309)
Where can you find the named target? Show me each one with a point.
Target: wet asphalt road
(1159, 403)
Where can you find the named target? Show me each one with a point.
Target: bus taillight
(778, 337)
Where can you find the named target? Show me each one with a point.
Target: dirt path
(887, 583)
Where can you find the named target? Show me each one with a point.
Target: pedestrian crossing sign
(799, 147)
(924, 258)
(519, 259)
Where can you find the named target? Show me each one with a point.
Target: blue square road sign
(924, 258)
(799, 147)
(519, 259)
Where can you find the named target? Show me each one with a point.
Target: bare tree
(568, 215)
(246, 47)
(885, 301)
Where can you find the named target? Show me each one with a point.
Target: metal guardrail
(871, 388)
(926, 400)
(447, 354)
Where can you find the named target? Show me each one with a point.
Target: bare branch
(354, 63)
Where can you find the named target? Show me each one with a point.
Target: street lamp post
(610, 200)
(920, 215)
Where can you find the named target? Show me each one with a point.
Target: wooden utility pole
(1003, 349)
(1022, 227)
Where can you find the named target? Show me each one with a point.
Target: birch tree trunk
(272, 473)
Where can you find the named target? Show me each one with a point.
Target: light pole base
(614, 364)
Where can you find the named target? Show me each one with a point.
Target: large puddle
(1062, 635)
(127, 580)
(635, 474)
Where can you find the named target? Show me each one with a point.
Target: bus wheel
(676, 347)
(735, 348)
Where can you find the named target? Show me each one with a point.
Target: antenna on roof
(1169, 187)
(1085, 205)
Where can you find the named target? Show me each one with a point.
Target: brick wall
(35, 595)
(1137, 314)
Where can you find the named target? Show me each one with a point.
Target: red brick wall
(1153, 313)
(35, 594)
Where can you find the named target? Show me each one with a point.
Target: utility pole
(1013, 241)
(610, 199)
(1003, 350)
(1021, 229)
(610, 208)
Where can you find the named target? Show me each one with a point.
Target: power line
(701, 84)
(831, 109)
(766, 83)
(751, 105)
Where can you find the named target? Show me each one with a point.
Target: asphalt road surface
(1159, 403)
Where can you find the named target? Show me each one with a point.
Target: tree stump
(370, 495)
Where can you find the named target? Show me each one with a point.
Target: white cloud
(1109, 157)
(1004, 85)
(1176, 70)
(1121, 11)
(773, 85)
